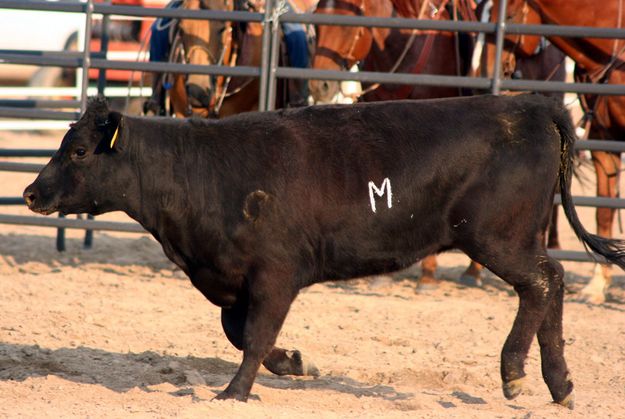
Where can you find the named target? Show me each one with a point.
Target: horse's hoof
(593, 298)
(568, 401)
(513, 388)
(595, 291)
(427, 283)
(470, 280)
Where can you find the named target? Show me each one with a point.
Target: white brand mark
(386, 185)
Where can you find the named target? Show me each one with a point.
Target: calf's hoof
(290, 363)
(228, 394)
(568, 401)
(513, 388)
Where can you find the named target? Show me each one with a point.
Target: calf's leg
(270, 297)
(554, 369)
(279, 361)
(537, 279)
(553, 239)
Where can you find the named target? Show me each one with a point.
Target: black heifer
(255, 207)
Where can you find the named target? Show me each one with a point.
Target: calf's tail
(613, 250)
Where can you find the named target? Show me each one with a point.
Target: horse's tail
(613, 250)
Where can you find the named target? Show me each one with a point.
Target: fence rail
(268, 72)
(71, 223)
(571, 255)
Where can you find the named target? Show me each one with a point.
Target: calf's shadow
(121, 372)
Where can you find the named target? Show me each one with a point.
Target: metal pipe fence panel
(71, 223)
(39, 103)
(20, 167)
(345, 20)
(12, 112)
(25, 152)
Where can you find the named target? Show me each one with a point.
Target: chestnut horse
(599, 61)
(390, 50)
(200, 42)
(204, 42)
(384, 50)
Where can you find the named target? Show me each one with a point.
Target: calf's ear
(111, 129)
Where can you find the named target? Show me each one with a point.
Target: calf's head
(85, 175)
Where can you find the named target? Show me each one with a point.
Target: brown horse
(204, 42)
(599, 61)
(391, 50)
(212, 42)
(384, 50)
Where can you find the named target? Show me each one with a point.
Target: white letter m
(386, 184)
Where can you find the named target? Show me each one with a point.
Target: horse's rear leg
(473, 275)
(428, 269)
(607, 166)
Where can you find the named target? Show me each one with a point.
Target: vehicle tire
(57, 76)
(47, 77)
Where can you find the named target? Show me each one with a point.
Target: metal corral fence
(268, 73)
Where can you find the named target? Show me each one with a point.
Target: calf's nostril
(29, 198)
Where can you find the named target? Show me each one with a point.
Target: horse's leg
(428, 268)
(245, 100)
(473, 275)
(607, 166)
(279, 361)
(178, 98)
(154, 105)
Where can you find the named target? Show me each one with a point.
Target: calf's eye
(80, 152)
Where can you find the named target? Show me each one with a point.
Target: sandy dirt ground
(118, 331)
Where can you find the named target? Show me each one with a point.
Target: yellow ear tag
(114, 136)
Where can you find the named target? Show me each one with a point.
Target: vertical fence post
(274, 56)
(104, 46)
(86, 56)
(266, 52)
(104, 43)
(88, 10)
(86, 63)
(499, 40)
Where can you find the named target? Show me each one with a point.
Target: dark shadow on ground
(135, 250)
(123, 371)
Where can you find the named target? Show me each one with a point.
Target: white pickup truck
(38, 30)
